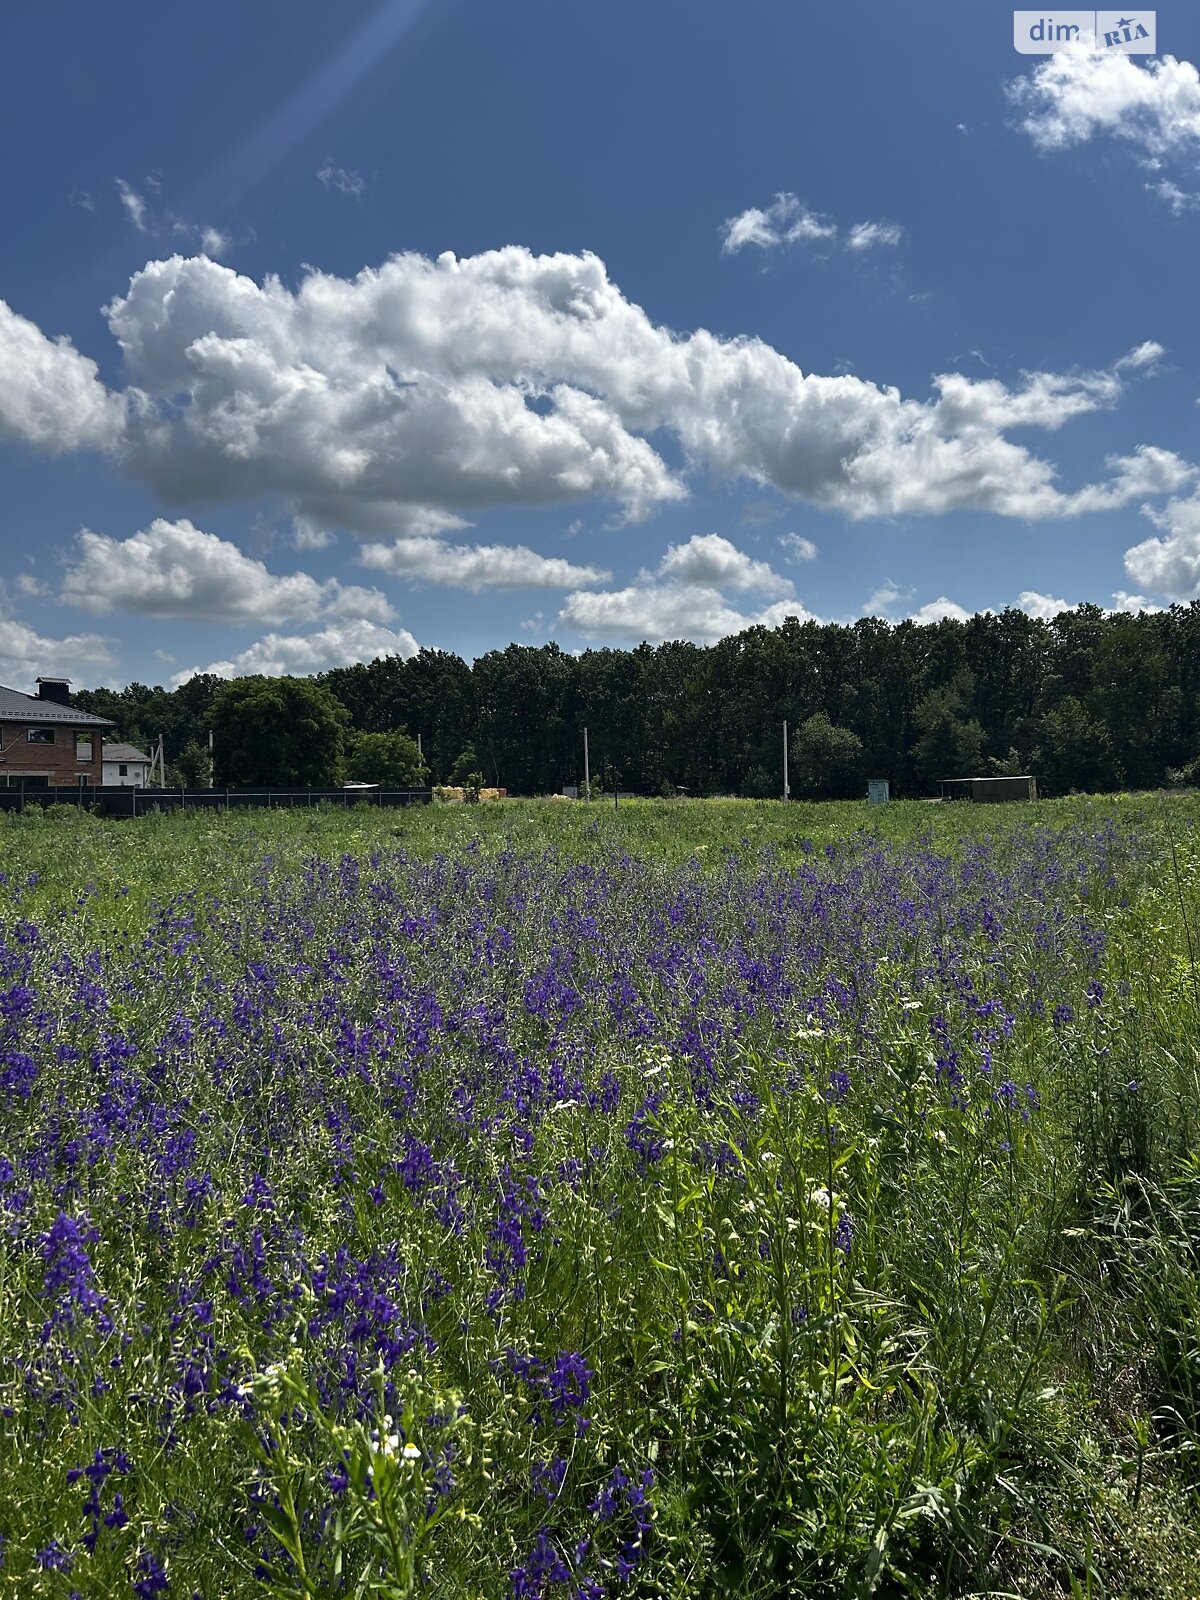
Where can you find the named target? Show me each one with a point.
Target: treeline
(1088, 701)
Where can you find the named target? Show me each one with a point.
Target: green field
(682, 1198)
(167, 853)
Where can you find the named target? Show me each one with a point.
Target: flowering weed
(698, 1202)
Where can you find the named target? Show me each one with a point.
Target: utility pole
(786, 790)
(587, 778)
(211, 769)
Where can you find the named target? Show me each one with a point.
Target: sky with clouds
(333, 331)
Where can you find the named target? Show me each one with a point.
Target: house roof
(123, 752)
(18, 707)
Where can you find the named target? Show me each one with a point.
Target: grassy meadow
(547, 1200)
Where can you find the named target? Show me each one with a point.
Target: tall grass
(550, 1200)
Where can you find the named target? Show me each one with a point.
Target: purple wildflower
(54, 1558)
(69, 1277)
(152, 1576)
(544, 1565)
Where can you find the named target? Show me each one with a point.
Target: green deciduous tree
(465, 767)
(194, 765)
(431, 694)
(826, 760)
(391, 759)
(949, 741)
(1073, 751)
(284, 731)
(1085, 701)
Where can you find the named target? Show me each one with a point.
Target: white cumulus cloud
(1043, 606)
(787, 220)
(1044, 400)
(655, 612)
(683, 598)
(1170, 565)
(941, 610)
(476, 567)
(797, 547)
(708, 559)
(1148, 471)
(50, 395)
(1147, 354)
(403, 400)
(24, 653)
(1179, 200)
(338, 645)
(357, 602)
(1079, 94)
(388, 402)
(888, 594)
(173, 569)
(309, 535)
(132, 203)
(865, 236)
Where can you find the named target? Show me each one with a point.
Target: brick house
(45, 741)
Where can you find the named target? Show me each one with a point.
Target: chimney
(56, 689)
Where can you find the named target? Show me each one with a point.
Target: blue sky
(329, 331)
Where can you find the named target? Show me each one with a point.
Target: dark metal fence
(118, 801)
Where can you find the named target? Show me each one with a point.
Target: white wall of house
(127, 774)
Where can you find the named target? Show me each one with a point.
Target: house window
(122, 770)
(83, 747)
(40, 735)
